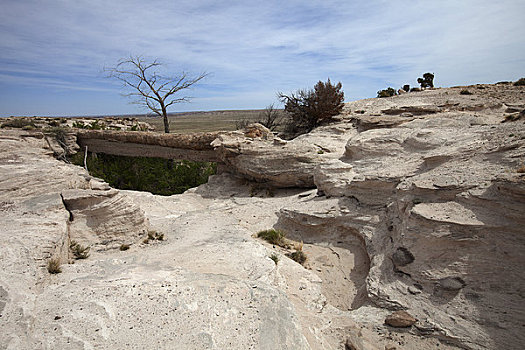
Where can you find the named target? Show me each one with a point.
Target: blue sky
(52, 53)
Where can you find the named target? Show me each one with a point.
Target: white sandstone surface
(421, 212)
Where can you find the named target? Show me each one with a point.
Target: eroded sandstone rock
(423, 215)
(400, 319)
(103, 218)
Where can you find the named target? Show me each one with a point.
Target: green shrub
(465, 92)
(124, 247)
(387, 92)
(273, 237)
(275, 258)
(427, 81)
(79, 251)
(95, 125)
(59, 133)
(18, 123)
(309, 108)
(298, 256)
(155, 175)
(520, 82)
(79, 124)
(53, 266)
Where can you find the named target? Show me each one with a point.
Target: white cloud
(253, 47)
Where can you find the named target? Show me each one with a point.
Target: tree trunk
(166, 121)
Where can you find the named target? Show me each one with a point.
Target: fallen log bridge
(194, 146)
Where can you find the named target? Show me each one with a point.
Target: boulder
(400, 319)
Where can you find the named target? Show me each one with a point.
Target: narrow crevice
(65, 206)
(68, 226)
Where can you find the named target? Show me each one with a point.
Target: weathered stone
(414, 290)
(103, 218)
(452, 283)
(400, 319)
(359, 341)
(402, 257)
(257, 130)
(444, 186)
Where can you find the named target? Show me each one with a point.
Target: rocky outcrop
(277, 162)
(413, 220)
(90, 123)
(103, 219)
(44, 205)
(435, 196)
(196, 147)
(195, 141)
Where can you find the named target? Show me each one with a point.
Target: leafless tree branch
(151, 89)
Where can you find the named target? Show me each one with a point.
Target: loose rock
(400, 319)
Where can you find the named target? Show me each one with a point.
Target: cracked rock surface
(417, 209)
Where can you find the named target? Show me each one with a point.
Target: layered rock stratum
(410, 211)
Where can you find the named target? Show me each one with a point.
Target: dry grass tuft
(53, 266)
(79, 251)
(273, 237)
(298, 256)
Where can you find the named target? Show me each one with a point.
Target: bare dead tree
(270, 117)
(150, 89)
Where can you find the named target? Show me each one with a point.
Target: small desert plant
(387, 92)
(95, 125)
(427, 81)
(275, 258)
(465, 92)
(53, 266)
(18, 123)
(520, 82)
(153, 235)
(59, 133)
(298, 256)
(270, 117)
(124, 247)
(242, 123)
(273, 237)
(309, 108)
(79, 124)
(521, 169)
(79, 251)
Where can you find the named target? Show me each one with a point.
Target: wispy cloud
(255, 48)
